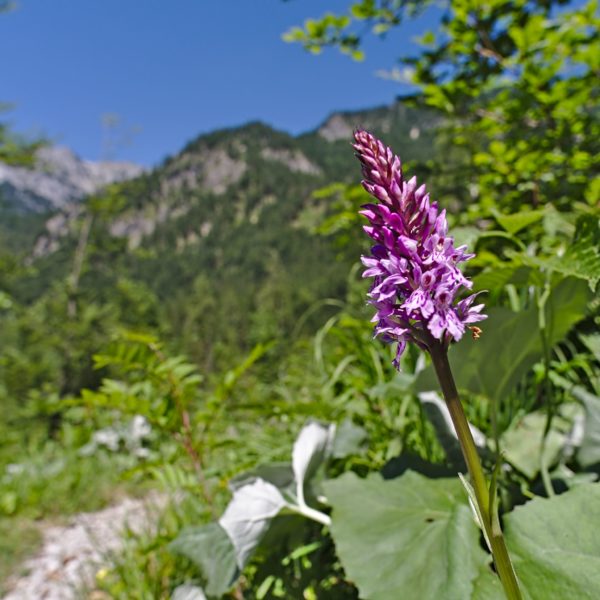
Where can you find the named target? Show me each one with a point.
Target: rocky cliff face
(244, 171)
(58, 179)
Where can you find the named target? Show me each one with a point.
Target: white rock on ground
(71, 555)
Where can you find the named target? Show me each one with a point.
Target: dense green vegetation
(259, 276)
(220, 298)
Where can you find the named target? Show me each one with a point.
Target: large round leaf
(248, 516)
(555, 545)
(409, 538)
(414, 537)
(210, 548)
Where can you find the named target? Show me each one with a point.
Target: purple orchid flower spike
(413, 262)
(416, 279)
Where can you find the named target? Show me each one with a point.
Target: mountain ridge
(58, 178)
(214, 162)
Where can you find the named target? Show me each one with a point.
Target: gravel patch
(71, 555)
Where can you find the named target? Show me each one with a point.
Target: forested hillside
(215, 248)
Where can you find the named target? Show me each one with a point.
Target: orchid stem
(487, 509)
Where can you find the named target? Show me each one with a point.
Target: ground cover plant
(301, 457)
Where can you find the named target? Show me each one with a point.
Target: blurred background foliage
(233, 321)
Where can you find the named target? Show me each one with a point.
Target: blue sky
(174, 69)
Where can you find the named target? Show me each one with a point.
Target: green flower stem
(487, 507)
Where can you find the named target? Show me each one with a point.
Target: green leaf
(295, 34)
(475, 509)
(409, 538)
(511, 343)
(210, 549)
(414, 537)
(280, 474)
(466, 235)
(349, 439)
(589, 451)
(487, 586)
(311, 448)
(589, 443)
(499, 276)
(592, 343)
(516, 222)
(582, 257)
(188, 592)
(439, 416)
(248, 516)
(555, 546)
(522, 444)
(363, 10)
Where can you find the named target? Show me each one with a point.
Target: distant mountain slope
(397, 120)
(220, 162)
(58, 179)
(213, 242)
